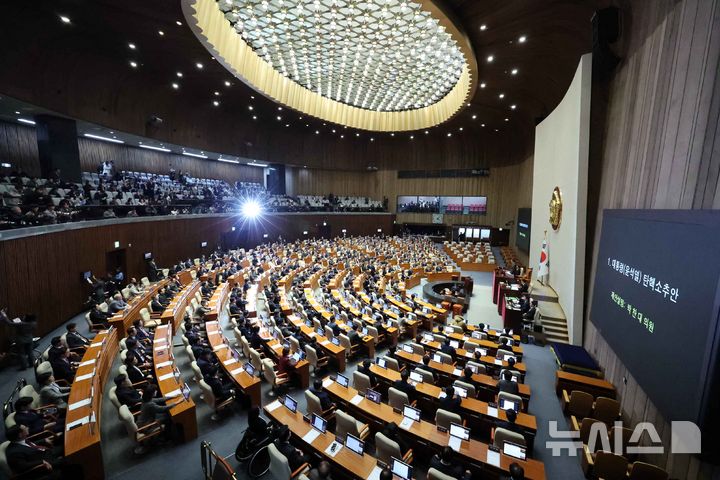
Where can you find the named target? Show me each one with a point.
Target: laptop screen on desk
(336, 342)
(437, 358)
(429, 337)
(381, 363)
(402, 470)
(355, 444)
(459, 431)
(373, 395)
(416, 377)
(290, 403)
(408, 348)
(454, 344)
(514, 450)
(508, 405)
(319, 423)
(342, 380)
(412, 413)
(250, 369)
(460, 392)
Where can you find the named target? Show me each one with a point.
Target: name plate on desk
(356, 399)
(87, 362)
(237, 371)
(96, 344)
(217, 348)
(327, 382)
(80, 403)
(229, 361)
(498, 361)
(406, 423)
(164, 364)
(457, 372)
(492, 412)
(166, 376)
(311, 436)
(493, 458)
(85, 377)
(77, 423)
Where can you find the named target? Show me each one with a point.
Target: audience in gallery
(29, 201)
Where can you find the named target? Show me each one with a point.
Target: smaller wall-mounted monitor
(484, 234)
(522, 239)
(203, 244)
(474, 205)
(87, 275)
(148, 255)
(451, 205)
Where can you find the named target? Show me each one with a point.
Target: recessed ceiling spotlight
(412, 137)
(254, 117)
(468, 104)
(307, 124)
(175, 86)
(217, 94)
(317, 132)
(342, 136)
(178, 23)
(161, 33)
(426, 132)
(216, 103)
(514, 71)
(280, 110)
(449, 134)
(483, 27)
(502, 95)
(333, 130)
(227, 83)
(287, 124)
(461, 129)
(133, 64)
(507, 119)
(513, 107)
(474, 117)
(131, 46)
(522, 39)
(482, 125)
(17, 113)
(490, 58)
(252, 97)
(179, 74)
(279, 117)
(64, 19)
(482, 85)
(392, 134)
(199, 65)
(250, 107)
(372, 139)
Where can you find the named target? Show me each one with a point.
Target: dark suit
(205, 366)
(371, 376)
(530, 314)
(135, 375)
(451, 404)
(128, 396)
(354, 337)
(21, 458)
(446, 348)
(75, 340)
(508, 386)
(99, 318)
(62, 370)
(221, 392)
(295, 459)
(325, 401)
(33, 420)
(404, 387)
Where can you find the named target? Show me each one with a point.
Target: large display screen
(655, 301)
(455, 205)
(522, 240)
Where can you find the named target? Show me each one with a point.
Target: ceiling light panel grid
(380, 55)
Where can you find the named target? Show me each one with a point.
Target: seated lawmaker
(295, 457)
(99, 318)
(126, 393)
(451, 402)
(404, 386)
(221, 390)
(51, 393)
(506, 384)
(445, 463)
(318, 391)
(36, 421)
(117, 304)
(62, 368)
(75, 339)
(447, 348)
(29, 460)
(509, 424)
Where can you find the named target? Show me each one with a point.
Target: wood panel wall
(42, 274)
(18, 146)
(655, 145)
(508, 188)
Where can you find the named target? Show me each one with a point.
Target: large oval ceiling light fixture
(384, 65)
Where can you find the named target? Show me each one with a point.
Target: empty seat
(347, 424)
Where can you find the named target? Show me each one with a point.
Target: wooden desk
(333, 351)
(463, 356)
(183, 414)
(175, 311)
(301, 369)
(474, 452)
(82, 444)
(217, 301)
(487, 385)
(512, 316)
(250, 386)
(596, 387)
(124, 319)
(492, 347)
(349, 462)
(475, 411)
